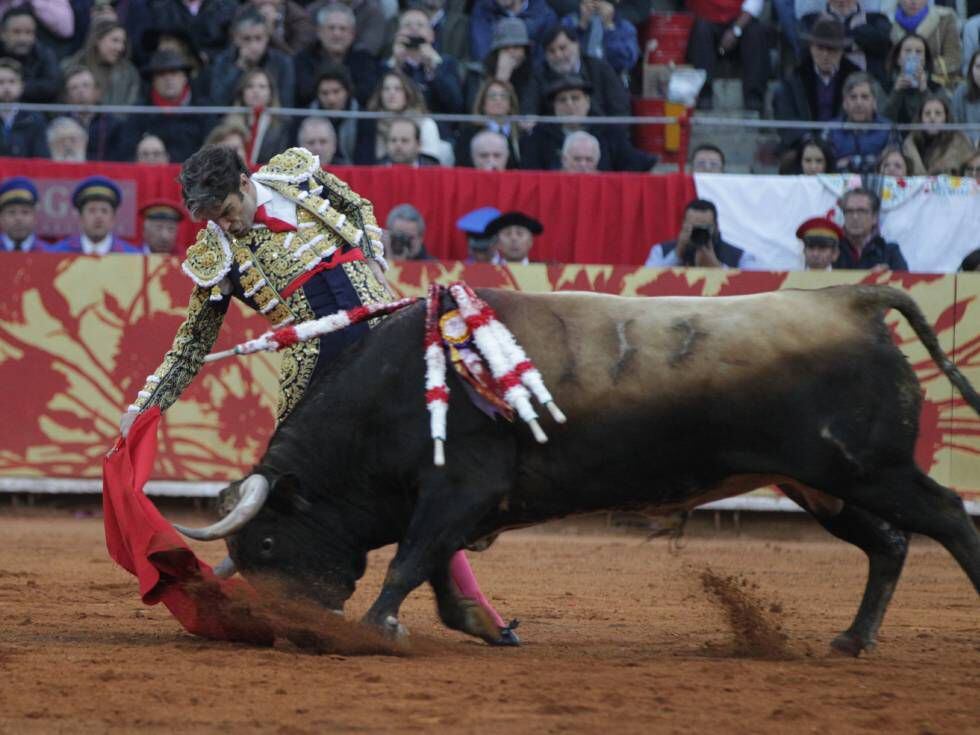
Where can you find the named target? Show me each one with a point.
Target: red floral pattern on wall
(79, 335)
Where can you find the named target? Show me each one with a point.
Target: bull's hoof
(851, 644)
(507, 635)
(393, 630)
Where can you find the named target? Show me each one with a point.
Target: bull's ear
(286, 495)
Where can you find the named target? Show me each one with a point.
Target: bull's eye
(267, 543)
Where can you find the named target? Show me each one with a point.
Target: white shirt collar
(102, 247)
(276, 205)
(26, 246)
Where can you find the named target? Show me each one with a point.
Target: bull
(671, 403)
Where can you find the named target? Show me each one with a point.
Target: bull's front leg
(443, 518)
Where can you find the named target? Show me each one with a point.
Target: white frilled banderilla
(515, 377)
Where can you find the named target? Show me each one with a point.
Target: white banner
(934, 220)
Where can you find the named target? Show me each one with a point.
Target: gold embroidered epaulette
(209, 258)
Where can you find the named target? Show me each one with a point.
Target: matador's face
(236, 213)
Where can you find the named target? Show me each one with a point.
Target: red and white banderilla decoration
(515, 374)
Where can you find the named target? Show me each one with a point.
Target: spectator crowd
(880, 62)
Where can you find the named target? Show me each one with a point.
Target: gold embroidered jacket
(257, 267)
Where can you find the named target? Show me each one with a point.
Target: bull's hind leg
(886, 548)
(911, 500)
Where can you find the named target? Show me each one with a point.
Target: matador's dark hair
(209, 176)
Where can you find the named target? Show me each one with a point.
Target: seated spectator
(406, 228)
(180, 41)
(18, 216)
(170, 90)
(725, 29)
(868, 31)
(810, 157)
(317, 135)
(67, 140)
(106, 55)
(271, 133)
(858, 150)
(436, 75)
(496, 100)
(19, 41)
(96, 199)
(489, 151)
(250, 49)
(537, 15)
(369, 32)
(355, 138)
(232, 134)
(699, 243)
(910, 67)
(862, 246)
(396, 93)
(161, 222)
(580, 153)
(892, 162)
(603, 34)
(814, 91)
(105, 132)
(402, 145)
(512, 235)
(208, 21)
(940, 29)
(509, 61)
(22, 134)
(290, 27)
(966, 98)
(936, 151)
(335, 29)
(450, 25)
(479, 246)
(563, 58)
(571, 96)
(821, 239)
(56, 25)
(971, 40)
(707, 158)
(971, 167)
(152, 151)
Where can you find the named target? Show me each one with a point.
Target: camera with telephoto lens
(414, 41)
(701, 236)
(401, 244)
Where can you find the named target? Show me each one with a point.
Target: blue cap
(96, 189)
(475, 222)
(18, 190)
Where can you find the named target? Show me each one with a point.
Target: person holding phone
(699, 243)
(910, 68)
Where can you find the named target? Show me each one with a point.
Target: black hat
(508, 219)
(829, 32)
(167, 60)
(564, 83)
(150, 40)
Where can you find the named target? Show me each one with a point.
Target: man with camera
(437, 75)
(406, 232)
(699, 243)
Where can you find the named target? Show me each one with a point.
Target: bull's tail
(884, 297)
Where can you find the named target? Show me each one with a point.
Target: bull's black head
(277, 538)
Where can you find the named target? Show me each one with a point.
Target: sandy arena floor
(621, 636)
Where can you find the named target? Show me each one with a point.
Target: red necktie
(273, 223)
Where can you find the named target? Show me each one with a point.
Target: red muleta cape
(143, 543)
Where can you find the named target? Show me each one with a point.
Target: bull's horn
(225, 569)
(255, 490)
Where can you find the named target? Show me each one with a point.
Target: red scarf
(182, 99)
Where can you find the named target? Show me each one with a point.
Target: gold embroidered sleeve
(191, 345)
(356, 207)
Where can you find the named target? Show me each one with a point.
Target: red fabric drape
(599, 218)
(143, 543)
